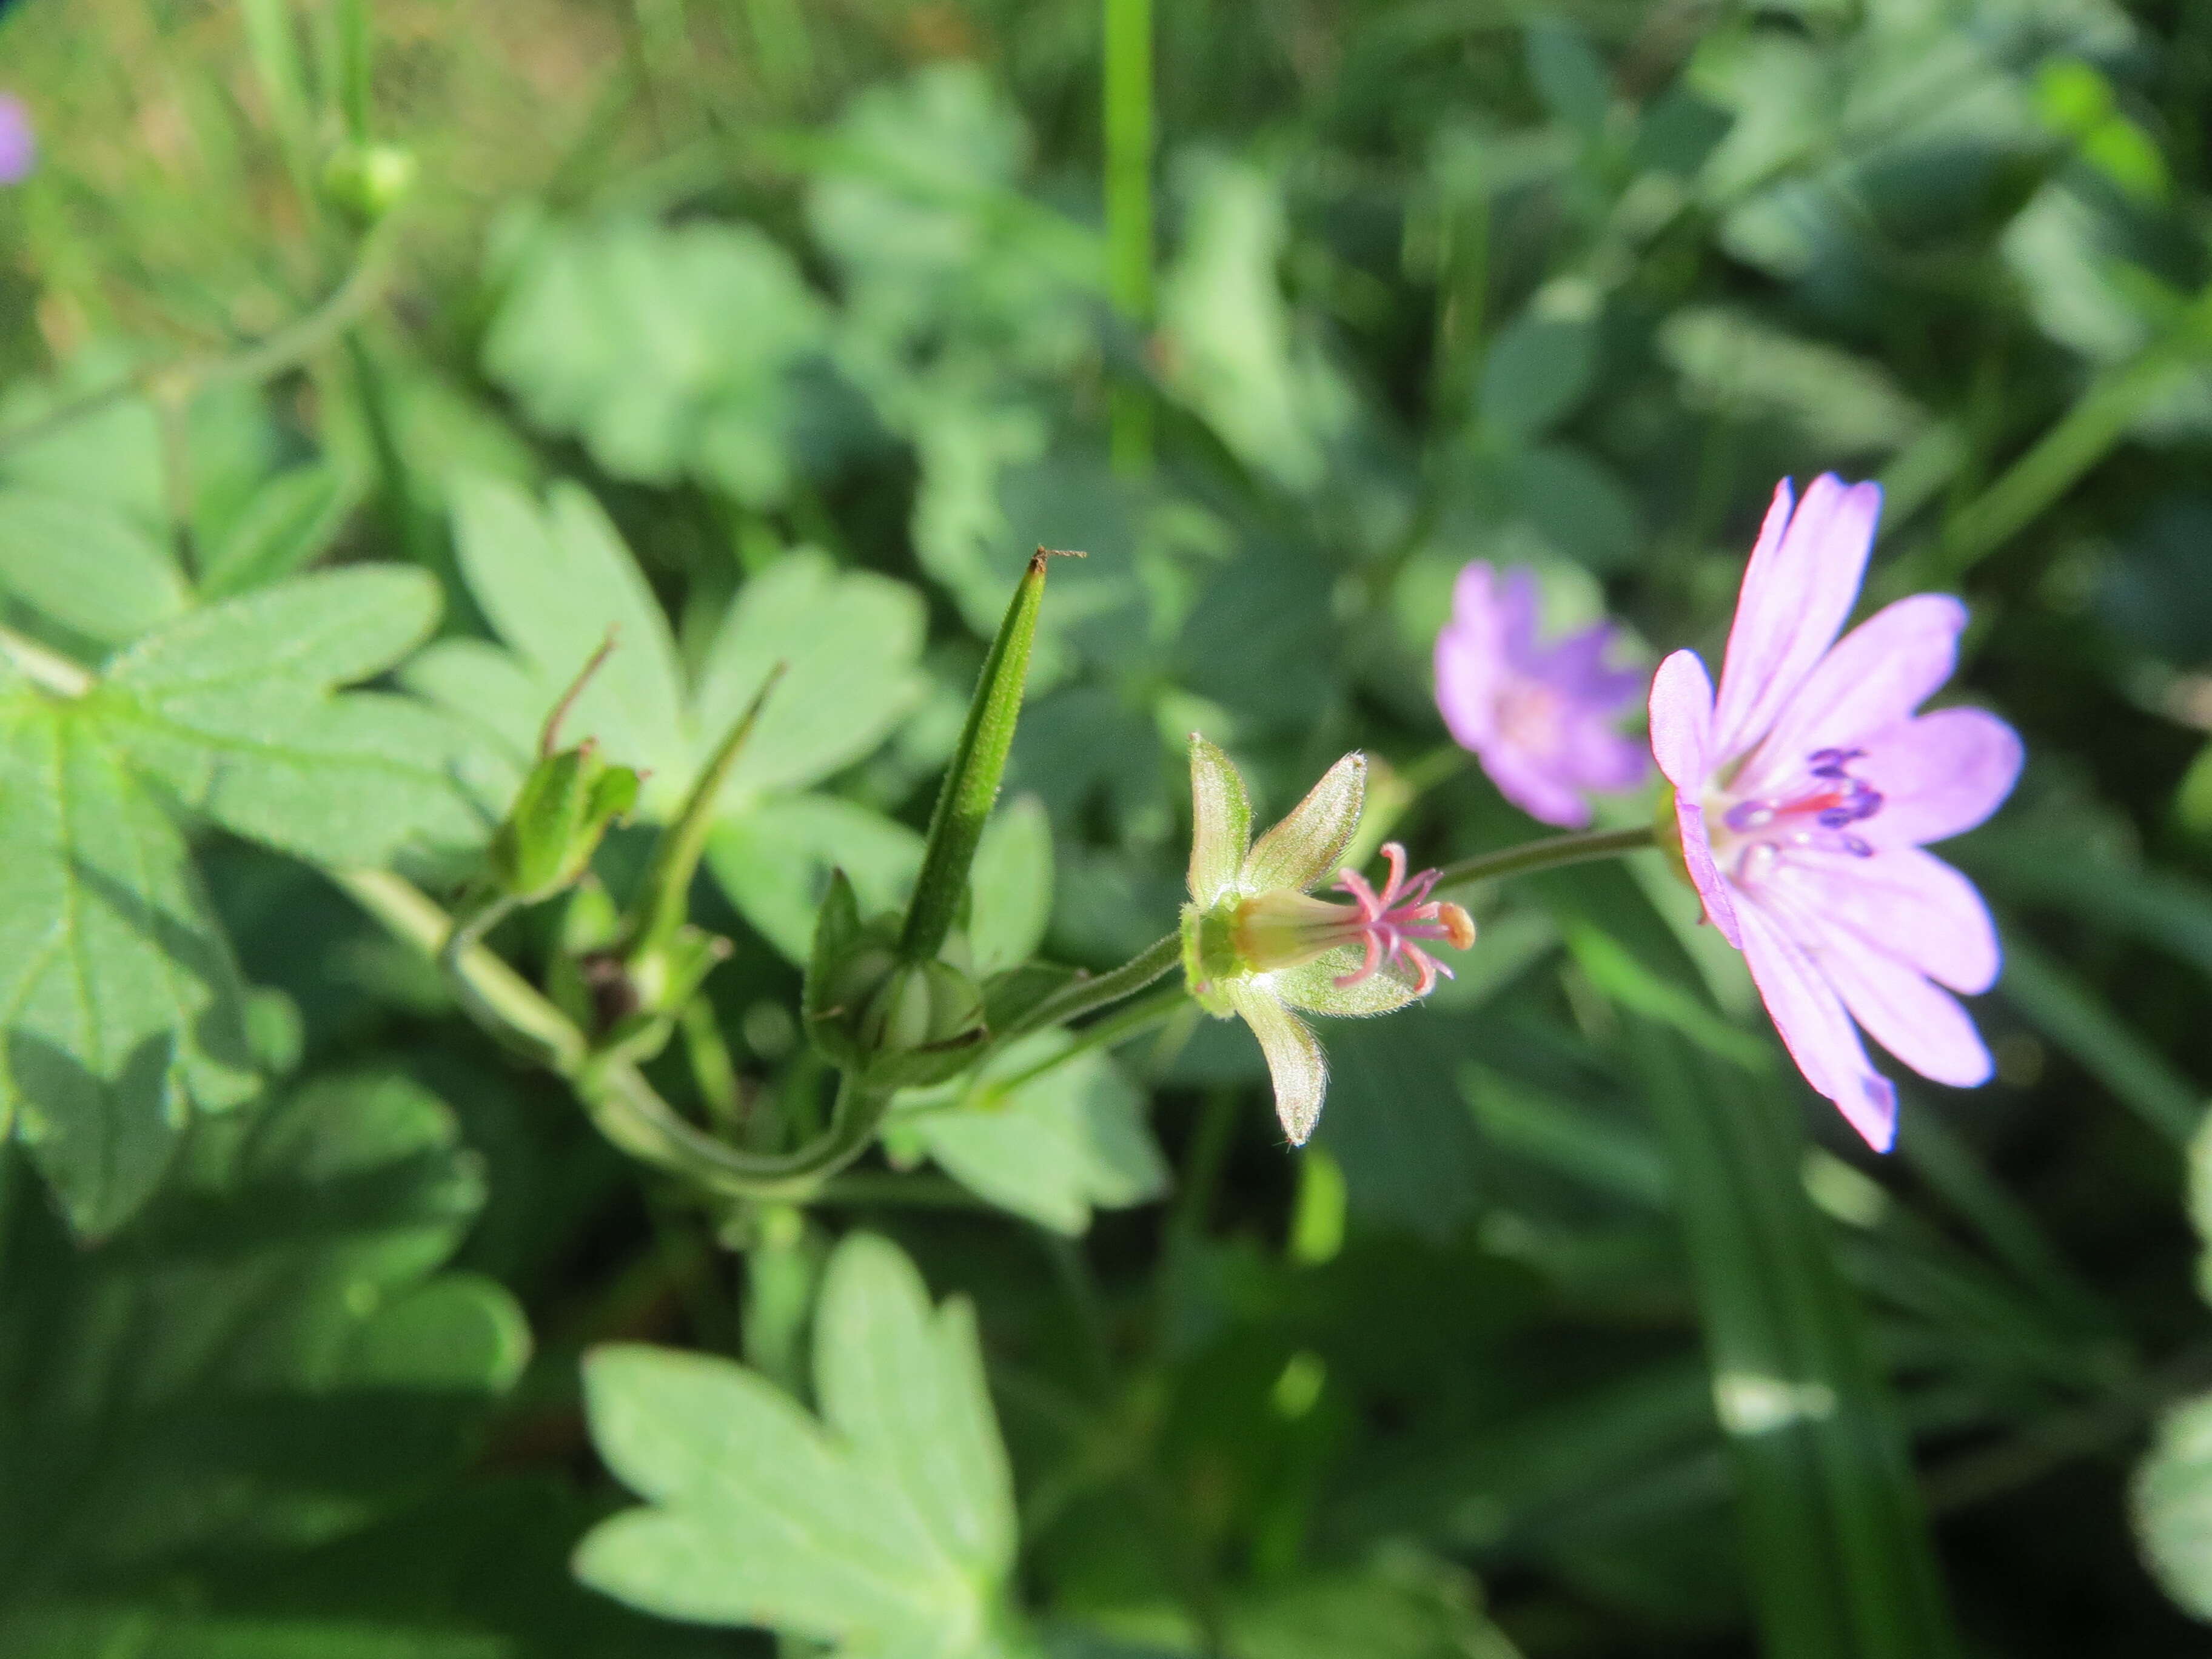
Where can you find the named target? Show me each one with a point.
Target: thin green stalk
(1127, 121)
(664, 901)
(1134, 1020)
(286, 349)
(1553, 854)
(46, 669)
(1090, 991)
(971, 782)
(622, 1104)
(2083, 436)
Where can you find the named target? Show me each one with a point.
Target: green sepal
(560, 814)
(1209, 956)
(971, 781)
(837, 938)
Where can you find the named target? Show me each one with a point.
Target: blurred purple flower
(18, 150)
(1539, 718)
(1803, 798)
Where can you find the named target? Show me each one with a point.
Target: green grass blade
(1835, 1539)
(2075, 1019)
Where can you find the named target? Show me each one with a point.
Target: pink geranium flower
(1540, 718)
(18, 150)
(1803, 798)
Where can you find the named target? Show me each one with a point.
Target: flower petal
(1876, 676)
(1470, 658)
(1311, 842)
(1939, 775)
(1220, 820)
(1294, 1060)
(1522, 778)
(1915, 1020)
(1798, 588)
(1817, 1030)
(1681, 737)
(1904, 902)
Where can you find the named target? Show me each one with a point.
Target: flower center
(1820, 818)
(1530, 715)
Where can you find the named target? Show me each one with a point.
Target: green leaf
(888, 1528)
(289, 521)
(667, 350)
(850, 644)
(1052, 1147)
(123, 1010)
(2083, 1025)
(2172, 1506)
(1834, 1534)
(774, 863)
(1536, 371)
(266, 1359)
(553, 581)
(1010, 887)
(1735, 364)
(231, 708)
(85, 567)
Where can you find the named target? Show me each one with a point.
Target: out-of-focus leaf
(2075, 1019)
(848, 643)
(232, 708)
(1054, 1148)
(1396, 1123)
(1569, 77)
(2172, 1506)
(85, 568)
(289, 521)
(1010, 897)
(263, 1361)
(1537, 370)
(668, 350)
(1233, 349)
(894, 1537)
(1603, 1153)
(775, 859)
(1734, 364)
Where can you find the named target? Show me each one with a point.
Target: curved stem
(287, 348)
(1554, 853)
(1073, 1001)
(623, 1105)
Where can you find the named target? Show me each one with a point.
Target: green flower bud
(560, 815)
(369, 180)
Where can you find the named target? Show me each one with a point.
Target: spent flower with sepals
(1258, 946)
(1803, 796)
(1540, 717)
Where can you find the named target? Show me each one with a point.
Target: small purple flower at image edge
(1805, 792)
(18, 147)
(1541, 718)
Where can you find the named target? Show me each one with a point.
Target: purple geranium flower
(1539, 718)
(1803, 798)
(17, 148)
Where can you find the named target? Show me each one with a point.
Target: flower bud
(369, 180)
(560, 815)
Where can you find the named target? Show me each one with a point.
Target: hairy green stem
(1117, 1028)
(625, 1107)
(1553, 854)
(1090, 991)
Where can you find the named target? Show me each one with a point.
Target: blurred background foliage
(767, 331)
